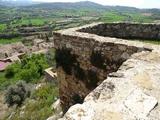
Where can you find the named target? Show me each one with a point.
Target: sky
(131, 3)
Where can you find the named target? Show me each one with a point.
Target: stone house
(37, 42)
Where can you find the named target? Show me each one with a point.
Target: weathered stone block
(110, 115)
(121, 47)
(107, 48)
(143, 80)
(86, 49)
(140, 104)
(68, 45)
(125, 55)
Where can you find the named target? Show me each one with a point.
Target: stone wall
(96, 57)
(51, 75)
(125, 30)
(131, 93)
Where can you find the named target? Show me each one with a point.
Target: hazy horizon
(130, 3)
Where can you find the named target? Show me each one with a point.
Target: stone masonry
(128, 78)
(125, 30)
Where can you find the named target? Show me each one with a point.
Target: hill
(2, 6)
(18, 21)
(14, 3)
(74, 5)
(61, 6)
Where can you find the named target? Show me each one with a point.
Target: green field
(7, 41)
(27, 21)
(2, 26)
(43, 17)
(86, 9)
(37, 21)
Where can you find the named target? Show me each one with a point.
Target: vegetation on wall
(97, 60)
(92, 79)
(79, 73)
(65, 59)
(68, 61)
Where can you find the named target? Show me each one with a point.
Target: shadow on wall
(84, 60)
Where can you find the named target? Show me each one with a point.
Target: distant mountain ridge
(58, 6)
(61, 6)
(13, 3)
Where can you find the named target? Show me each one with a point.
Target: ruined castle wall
(110, 54)
(126, 30)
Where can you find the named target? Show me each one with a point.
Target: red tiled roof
(3, 65)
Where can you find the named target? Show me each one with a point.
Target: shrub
(30, 68)
(30, 72)
(17, 93)
(11, 70)
(50, 57)
(43, 92)
(46, 93)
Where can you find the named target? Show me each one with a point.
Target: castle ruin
(105, 73)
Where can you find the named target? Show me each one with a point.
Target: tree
(25, 60)
(17, 93)
(50, 57)
(30, 68)
(11, 70)
(30, 72)
(26, 75)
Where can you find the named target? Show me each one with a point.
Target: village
(9, 53)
